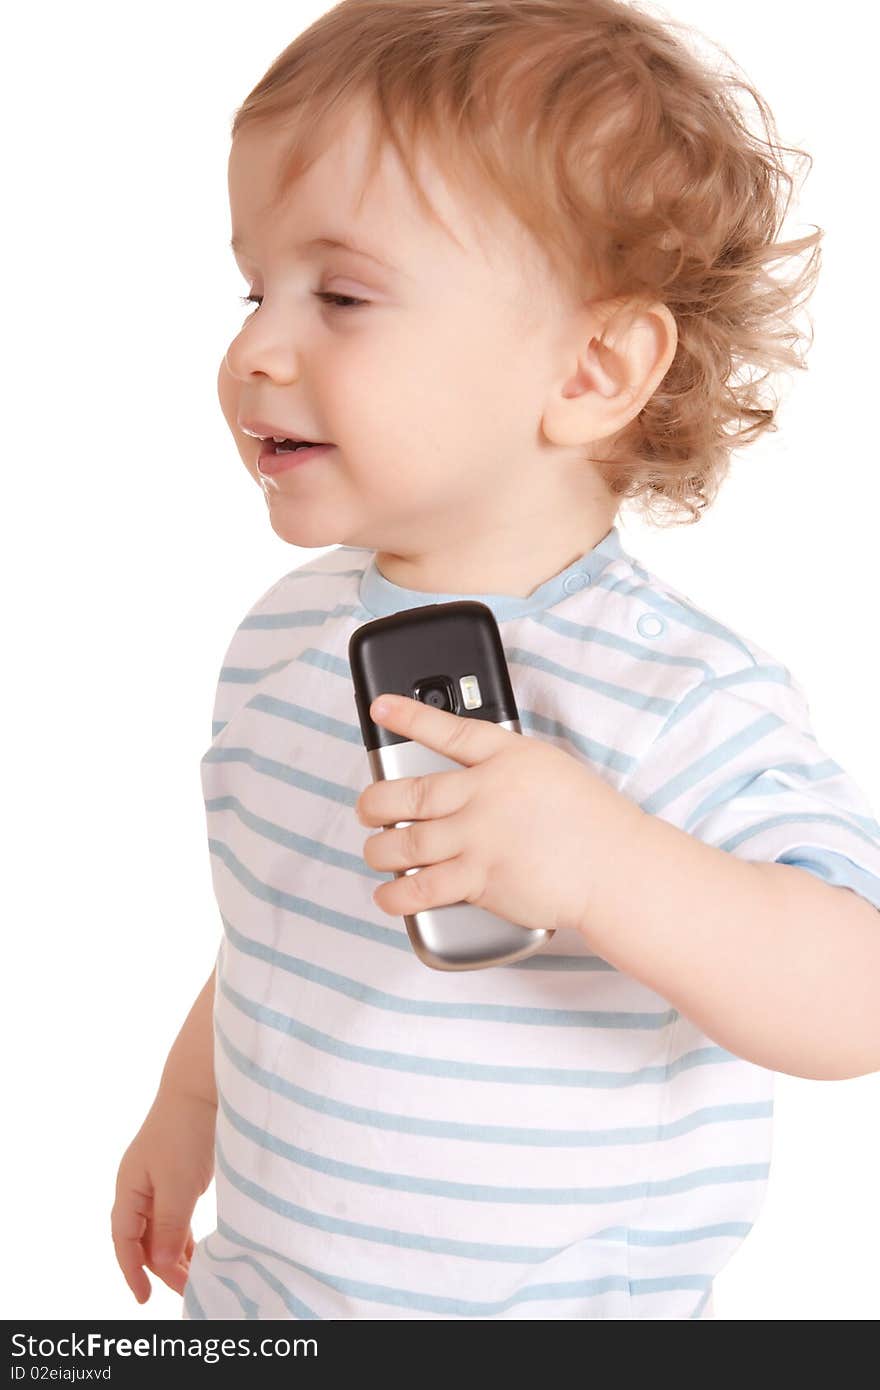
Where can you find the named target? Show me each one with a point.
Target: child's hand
(164, 1170)
(523, 830)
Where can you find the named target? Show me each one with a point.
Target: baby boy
(506, 260)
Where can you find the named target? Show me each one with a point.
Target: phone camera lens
(435, 692)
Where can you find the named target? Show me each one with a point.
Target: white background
(134, 543)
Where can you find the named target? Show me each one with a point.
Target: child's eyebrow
(237, 244)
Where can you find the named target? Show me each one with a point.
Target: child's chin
(299, 525)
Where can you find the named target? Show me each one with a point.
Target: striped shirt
(548, 1139)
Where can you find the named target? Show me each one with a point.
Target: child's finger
(170, 1228)
(127, 1226)
(174, 1275)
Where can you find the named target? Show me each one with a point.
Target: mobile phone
(448, 655)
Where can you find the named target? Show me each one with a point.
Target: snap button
(649, 625)
(572, 582)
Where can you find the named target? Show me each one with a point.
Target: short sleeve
(737, 765)
(244, 661)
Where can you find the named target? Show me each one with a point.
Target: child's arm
(189, 1068)
(170, 1161)
(775, 965)
(771, 962)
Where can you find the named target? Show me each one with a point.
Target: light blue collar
(381, 597)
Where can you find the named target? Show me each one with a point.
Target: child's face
(431, 392)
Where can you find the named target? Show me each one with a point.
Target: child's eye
(338, 301)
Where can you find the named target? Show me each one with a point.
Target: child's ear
(621, 356)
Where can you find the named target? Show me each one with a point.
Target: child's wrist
(175, 1089)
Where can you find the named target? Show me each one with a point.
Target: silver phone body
(456, 936)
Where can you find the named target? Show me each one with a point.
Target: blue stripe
(350, 733)
(800, 818)
(325, 661)
(468, 1191)
(764, 784)
(330, 663)
(470, 1071)
(310, 718)
(529, 719)
(736, 1230)
(698, 1311)
(643, 1288)
(290, 839)
(310, 656)
(675, 786)
(395, 937)
(406, 1298)
(317, 912)
(250, 675)
(403, 1298)
(251, 1309)
(598, 753)
(424, 1008)
(602, 637)
(867, 823)
(293, 618)
(481, 1250)
(757, 783)
(754, 675)
(676, 608)
(300, 1310)
(758, 674)
(836, 869)
(734, 1112)
(192, 1304)
(283, 772)
(384, 1235)
(635, 699)
(295, 1306)
(753, 782)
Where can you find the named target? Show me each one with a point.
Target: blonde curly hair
(629, 159)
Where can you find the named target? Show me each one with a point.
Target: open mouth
(287, 446)
(274, 458)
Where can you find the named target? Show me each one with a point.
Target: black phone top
(434, 642)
